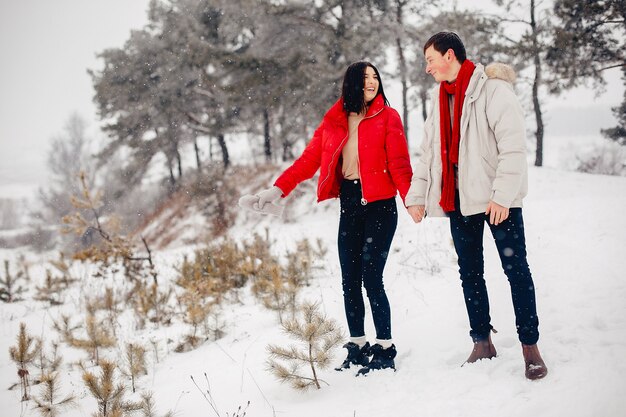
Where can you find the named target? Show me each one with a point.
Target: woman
(362, 152)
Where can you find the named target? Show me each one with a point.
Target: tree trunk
(197, 151)
(403, 72)
(287, 150)
(536, 84)
(172, 179)
(267, 141)
(178, 161)
(222, 142)
(424, 101)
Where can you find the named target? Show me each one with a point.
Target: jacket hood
(496, 70)
(337, 114)
(501, 71)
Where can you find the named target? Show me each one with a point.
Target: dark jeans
(365, 234)
(467, 234)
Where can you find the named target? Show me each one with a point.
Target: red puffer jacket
(384, 163)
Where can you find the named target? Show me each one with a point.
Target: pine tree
(147, 406)
(65, 328)
(52, 289)
(23, 354)
(47, 403)
(108, 394)
(590, 38)
(276, 290)
(618, 133)
(48, 365)
(97, 337)
(197, 310)
(318, 335)
(10, 287)
(135, 363)
(150, 303)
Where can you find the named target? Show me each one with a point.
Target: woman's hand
(269, 196)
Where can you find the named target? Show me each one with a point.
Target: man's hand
(416, 213)
(497, 213)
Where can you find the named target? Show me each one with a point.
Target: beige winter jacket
(492, 149)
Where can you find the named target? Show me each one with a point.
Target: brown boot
(483, 349)
(535, 367)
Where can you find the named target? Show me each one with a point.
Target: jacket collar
(481, 74)
(337, 114)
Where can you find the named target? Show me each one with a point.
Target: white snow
(576, 250)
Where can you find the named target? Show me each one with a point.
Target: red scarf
(451, 131)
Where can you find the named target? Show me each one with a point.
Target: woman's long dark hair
(353, 84)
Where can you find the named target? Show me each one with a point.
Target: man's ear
(450, 55)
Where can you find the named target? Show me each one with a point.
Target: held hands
(416, 213)
(497, 213)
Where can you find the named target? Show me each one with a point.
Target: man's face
(439, 65)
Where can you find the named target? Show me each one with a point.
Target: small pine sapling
(318, 335)
(66, 329)
(48, 365)
(150, 303)
(256, 253)
(148, 408)
(97, 337)
(52, 289)
(135, 363)
(197, 310)
(23, 354)
(10, 286)
(276, 290)
(63, 267)
(108, 394)
(107, 245)
(47, 402)
(216, 271)
(109, 302)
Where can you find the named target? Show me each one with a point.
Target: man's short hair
(443, 41)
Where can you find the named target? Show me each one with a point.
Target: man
(473, 169)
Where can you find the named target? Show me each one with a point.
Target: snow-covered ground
(576, 237)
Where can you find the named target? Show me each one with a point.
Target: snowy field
(576, 238)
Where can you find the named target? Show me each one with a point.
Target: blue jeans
(467, 235)
(365, 234)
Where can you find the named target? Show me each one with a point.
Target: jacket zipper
(333, 158)
(363, 200)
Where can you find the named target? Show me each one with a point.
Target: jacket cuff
(284, 187)
(500, 198)
(414, 201)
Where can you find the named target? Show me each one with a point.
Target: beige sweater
(350, 151)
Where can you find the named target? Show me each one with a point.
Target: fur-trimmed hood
(493, 71)
(501, 71)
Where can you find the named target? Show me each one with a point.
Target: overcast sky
(46, 47)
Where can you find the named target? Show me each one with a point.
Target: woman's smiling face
(371, 83)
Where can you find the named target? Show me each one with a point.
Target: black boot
(382, 359)
(356, 355)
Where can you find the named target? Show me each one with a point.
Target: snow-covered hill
(576, 237)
